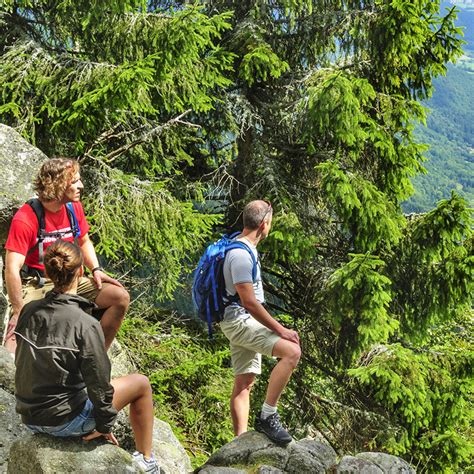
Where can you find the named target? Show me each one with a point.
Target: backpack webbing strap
(241, 245)
(38, 209)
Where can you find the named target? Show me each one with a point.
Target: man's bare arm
(91, 261)
(13, 263)
(256, 309)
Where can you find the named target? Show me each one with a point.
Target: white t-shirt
(238, 266)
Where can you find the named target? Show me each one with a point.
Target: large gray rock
(7, 371)
(43, 454)
(387, 463)
(269, 470)
(320, 451)
(19, 162)
(221, 470)
(10, 427)
(238, 450)
(121, 363)
(168, 450)
(253, 453)
(353, 465)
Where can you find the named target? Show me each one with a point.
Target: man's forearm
(13, 283)
(256, 309)
(90, 258)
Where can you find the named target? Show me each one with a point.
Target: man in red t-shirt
(58, 182)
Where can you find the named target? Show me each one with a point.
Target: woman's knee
(140, 382)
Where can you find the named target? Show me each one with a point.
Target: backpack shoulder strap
(242, 245)
(74, 223)
(38, 209)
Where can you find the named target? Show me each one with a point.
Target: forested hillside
(449, 129)
(171, 106)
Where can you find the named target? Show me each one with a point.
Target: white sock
(267, 410)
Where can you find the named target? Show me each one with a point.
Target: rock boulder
(253, 452)
(19, 162)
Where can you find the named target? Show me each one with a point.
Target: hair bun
(56, 262)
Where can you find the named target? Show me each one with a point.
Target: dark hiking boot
(273, 428)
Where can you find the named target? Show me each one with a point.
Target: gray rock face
(19, 162)
(168, 450)
(121, 364)
(239, 449)
(352, 465)
(47, 455)
(222, 470)
(253, 452)
(387, 463)
(10, 427)
(269, 470)
(7, 371)
(321, 452)
(256, 451)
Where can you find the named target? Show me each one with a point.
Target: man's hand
(11, 327)
(101, 277)
(289, 335)
(96, 434)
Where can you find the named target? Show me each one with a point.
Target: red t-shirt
(23, 233)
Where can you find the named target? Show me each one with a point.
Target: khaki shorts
(249, 339)
(31, 292)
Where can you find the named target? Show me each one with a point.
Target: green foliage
(359, 299)
(311, 103)
(289, 240)
(433, 268)
(427, 392)
(111, 85)
(190, 378)
(260, 63)
(449, 132)
(366, 212)
(126, 227)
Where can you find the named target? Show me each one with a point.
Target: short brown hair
(54, 177)
(255, 212)
(62, 261)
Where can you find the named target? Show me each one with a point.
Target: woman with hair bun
(62, 380)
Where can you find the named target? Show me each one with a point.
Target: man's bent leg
(289, 354)
(115, 301)
(240, 402)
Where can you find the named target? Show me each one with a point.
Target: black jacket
(60, 361)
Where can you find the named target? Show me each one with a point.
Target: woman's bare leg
(135, 390)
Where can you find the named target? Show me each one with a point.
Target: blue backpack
(209, 295)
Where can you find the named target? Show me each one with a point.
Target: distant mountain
(450, 128)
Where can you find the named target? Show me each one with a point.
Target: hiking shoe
(150, 465)
(271, 426)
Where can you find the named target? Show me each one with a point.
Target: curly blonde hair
(54, 177)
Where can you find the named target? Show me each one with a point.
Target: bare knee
(122, 299)
(293, 356)
(141, 383)
(243, 382)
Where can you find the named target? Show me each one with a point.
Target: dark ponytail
(62, 262)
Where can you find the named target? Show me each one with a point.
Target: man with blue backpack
(235, 297)
(57, 213)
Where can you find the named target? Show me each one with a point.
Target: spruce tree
(324, 99)
(312, 105)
